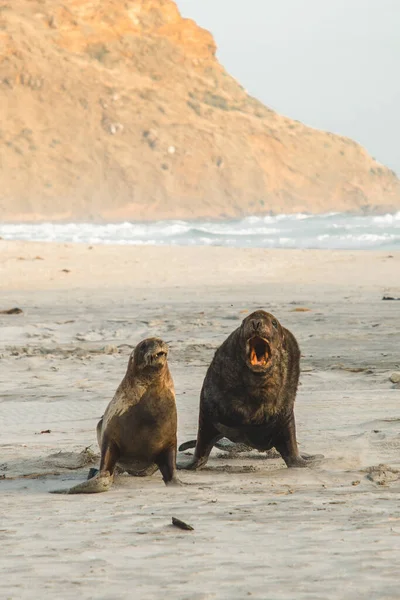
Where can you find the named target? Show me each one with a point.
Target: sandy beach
(260, 530)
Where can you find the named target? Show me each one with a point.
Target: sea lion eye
(274, 323)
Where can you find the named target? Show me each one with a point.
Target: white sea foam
(333, 230)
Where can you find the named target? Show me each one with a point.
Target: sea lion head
(261, 341)
(150, 354)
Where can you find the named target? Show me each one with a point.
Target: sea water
(330, 231)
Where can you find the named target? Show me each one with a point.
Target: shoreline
(294, 531)
(330, 231)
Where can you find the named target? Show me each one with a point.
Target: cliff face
(119, 110)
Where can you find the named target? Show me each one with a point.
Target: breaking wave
(330, 231)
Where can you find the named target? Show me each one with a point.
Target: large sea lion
(137, 432)
(249, 391)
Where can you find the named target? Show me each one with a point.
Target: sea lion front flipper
(103, 480)
(286, 444)
(166, 462)
(99, 483)
(207, 437)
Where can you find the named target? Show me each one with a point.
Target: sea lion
(11, 311)
(249, 391)
(137, 432)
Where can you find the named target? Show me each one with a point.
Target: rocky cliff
(119, 109)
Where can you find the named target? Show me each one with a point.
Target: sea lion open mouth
(259, 351)
(157, 359)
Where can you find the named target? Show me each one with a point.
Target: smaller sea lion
(137, 432)
(249, 391)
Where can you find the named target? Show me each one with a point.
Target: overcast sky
(333, 64)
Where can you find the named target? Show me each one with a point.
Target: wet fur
(251, 407)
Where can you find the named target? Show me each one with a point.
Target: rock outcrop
(120, 110)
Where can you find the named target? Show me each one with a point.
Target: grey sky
(333, 64)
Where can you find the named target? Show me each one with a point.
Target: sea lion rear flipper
(311, 458)
(225, 445)
(232, 447)
(187, 445)
(143, 472)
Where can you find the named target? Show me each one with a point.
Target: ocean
(329, 231)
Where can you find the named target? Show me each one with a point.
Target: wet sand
(260, 529)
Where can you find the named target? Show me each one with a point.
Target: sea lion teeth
(253, 357)
(259, 351)
(249, 391)
(137, 432)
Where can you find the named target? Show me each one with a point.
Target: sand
(260, 530)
